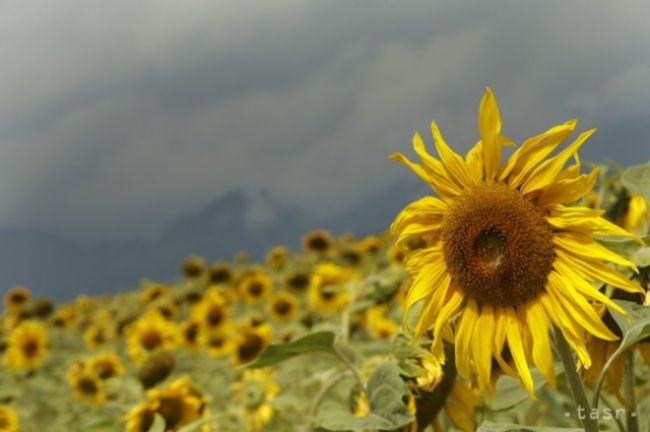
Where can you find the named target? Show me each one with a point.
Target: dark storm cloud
(117, 116)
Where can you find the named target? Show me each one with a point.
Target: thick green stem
(583, 408)
(628, 388)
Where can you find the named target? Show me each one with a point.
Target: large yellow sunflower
(505, 257)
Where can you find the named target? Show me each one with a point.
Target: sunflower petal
(545, 173)
(451, 161)
(585, 246)
(489, 127)
(539, 324)
(514, 336)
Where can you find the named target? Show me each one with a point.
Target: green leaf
(386, 392)
(509, 391)
(637, 179)
(509, 427)
(635, 327)
(315, 342)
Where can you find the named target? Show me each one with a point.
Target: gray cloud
(117, 116)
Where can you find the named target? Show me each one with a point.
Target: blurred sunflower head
(27, 346)
(190, 330)
(211, 312)
(505, 256)
(255, 287)
(327, 292)
(105, 365)
(220, 273)
(249, 344)
(193, 268)
(282, 307)
(141, 417)
(277, 257)
(219, 344)
(16, 298)
(378, 325)
(318, 242)
(153, 291)
(178, 403)
(396, 254)
(8, 419)
(98, 335)
(351, 256)
(298, 282)
(635, 214)
(88, 387)
(64, 317)
(255, 392)
(149, 333)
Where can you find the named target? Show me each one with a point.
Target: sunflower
(219, 344)
(319, 242)
(255, 392)
(98, 335)
(153, 291)
(220, 273)
(327, 292)
(193, 267)
(190, 334)
(282, 307)
(249, 343)
(505, 257)
(26, 346)
(211, 312)
(8, 419)
(277, 256)
(141, 417)
(63, 317)
(16, 298)
(88, 387)
(378, 325)
(396, 254)
(148, 334)
(298, 282)
(179, 404)
(636, 212)
(255, 287)
(460, 407)
(105, 365)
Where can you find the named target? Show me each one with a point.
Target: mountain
(60, 268)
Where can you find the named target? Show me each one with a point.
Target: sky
(118, 116)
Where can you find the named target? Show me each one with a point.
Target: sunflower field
(513, 297)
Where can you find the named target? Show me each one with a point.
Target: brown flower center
(497, 245)
(151, 340)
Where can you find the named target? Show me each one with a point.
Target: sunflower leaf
(509, 427)
(315, 342)
(637, 179)
(509, 391)
(636, 326)
(386, 394)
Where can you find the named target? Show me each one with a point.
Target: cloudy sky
(117, 116)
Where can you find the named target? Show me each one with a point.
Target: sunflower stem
(628, 387)
(578, 390)
(324, 391)
(351, 367)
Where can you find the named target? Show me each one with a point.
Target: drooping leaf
(315, 342)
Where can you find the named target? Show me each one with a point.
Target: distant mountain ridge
(57, 267)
